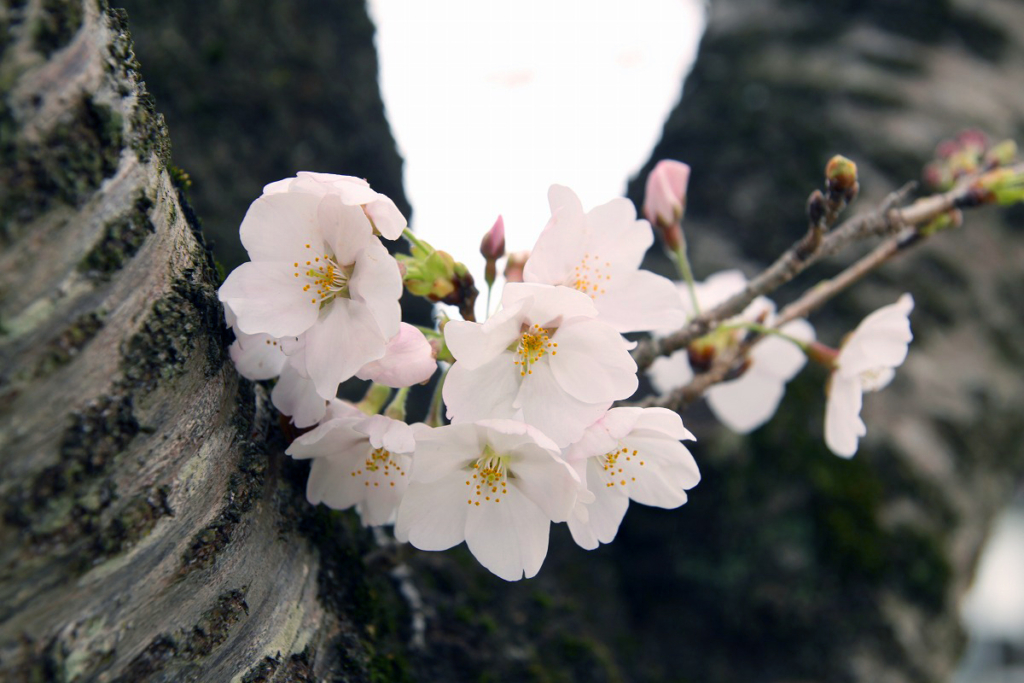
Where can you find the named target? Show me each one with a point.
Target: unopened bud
(514, 265)
(953, 218)
(821, 354)
(841, 178)
(973, 140)
(1002, 154)
(816, 208)
(492, 246)
(1002, 186)
(665, 199)
(701, 355)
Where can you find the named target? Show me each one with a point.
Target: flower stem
(765, 330)
(434, 418)
(416, 241)
(396, 410)
(375, 398)
(685, 272)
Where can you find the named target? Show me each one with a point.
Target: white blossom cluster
(533, 436)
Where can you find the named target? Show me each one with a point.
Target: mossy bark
(152, 529)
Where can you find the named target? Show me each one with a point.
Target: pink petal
(843, 426)
(408, 360)
(592, 363)
(267, 298)
(509, 538)
(342, 341)
(277, 227)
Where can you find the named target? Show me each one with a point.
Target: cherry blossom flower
(629, 454)
(543, 359)
(496, 484)
(379, 209)
(599, 254)
(866, 362)
(318, 271)
(747, 402)
(295, 395)
(256, 356)
(357, 461)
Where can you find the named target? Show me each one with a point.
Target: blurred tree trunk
(153, 530)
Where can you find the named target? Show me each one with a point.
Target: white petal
(592, 363)
(346, 229)
(843, 426)
(331, 483)
(266, 297)
(408, 359)
(257, 356)
(331, 439)
(296, 396)
(344, 340)
(640, 301)
(604, 515)
(559, 247)
(547, 305)
(441, 451)
(432, 516)
(384, 432)
(547, 480)
(509, 538)
(661, 421)
(377, 282)
(386, 217)
(277, 227)
(547, 406)
(616, 238)
(474, 344)
(667, 373)
(879, 341)
(486, 392)
(672, 460)
(746, 403)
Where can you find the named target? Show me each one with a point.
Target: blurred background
(785, 553)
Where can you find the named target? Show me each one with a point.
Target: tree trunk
(152, 529)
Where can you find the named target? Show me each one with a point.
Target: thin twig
(886, 219)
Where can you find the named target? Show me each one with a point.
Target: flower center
(614, 465)
(378, 468)
(588, 278)
(327, 279)
(489, 476)
(533, 345)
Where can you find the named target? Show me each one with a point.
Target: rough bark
(153, 530)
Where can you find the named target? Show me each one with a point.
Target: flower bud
(973, 140)
(1001, 154)
(841, 178)
(514, 266)
(1002, 186)
(492, 248)
(816, 208)
(665, 199)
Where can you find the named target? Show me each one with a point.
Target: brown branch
(884, 220)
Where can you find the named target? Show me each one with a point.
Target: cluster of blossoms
(533, 437)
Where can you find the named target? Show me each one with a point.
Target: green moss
(135, 520)
(244, 489)
(191, 644)
(69, 343)
(63, 502)
(56, 25)
(66, 166)
(121, 239)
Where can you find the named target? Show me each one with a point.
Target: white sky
(492, 102)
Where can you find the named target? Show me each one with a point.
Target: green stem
(683, 266)
(765, 330)
(396, 410)
(487, 311)
(375, 398)
(416, 241)
(434, 418)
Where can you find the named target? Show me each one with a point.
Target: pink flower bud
(514, 266)
(665, 193)
(492, 247)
